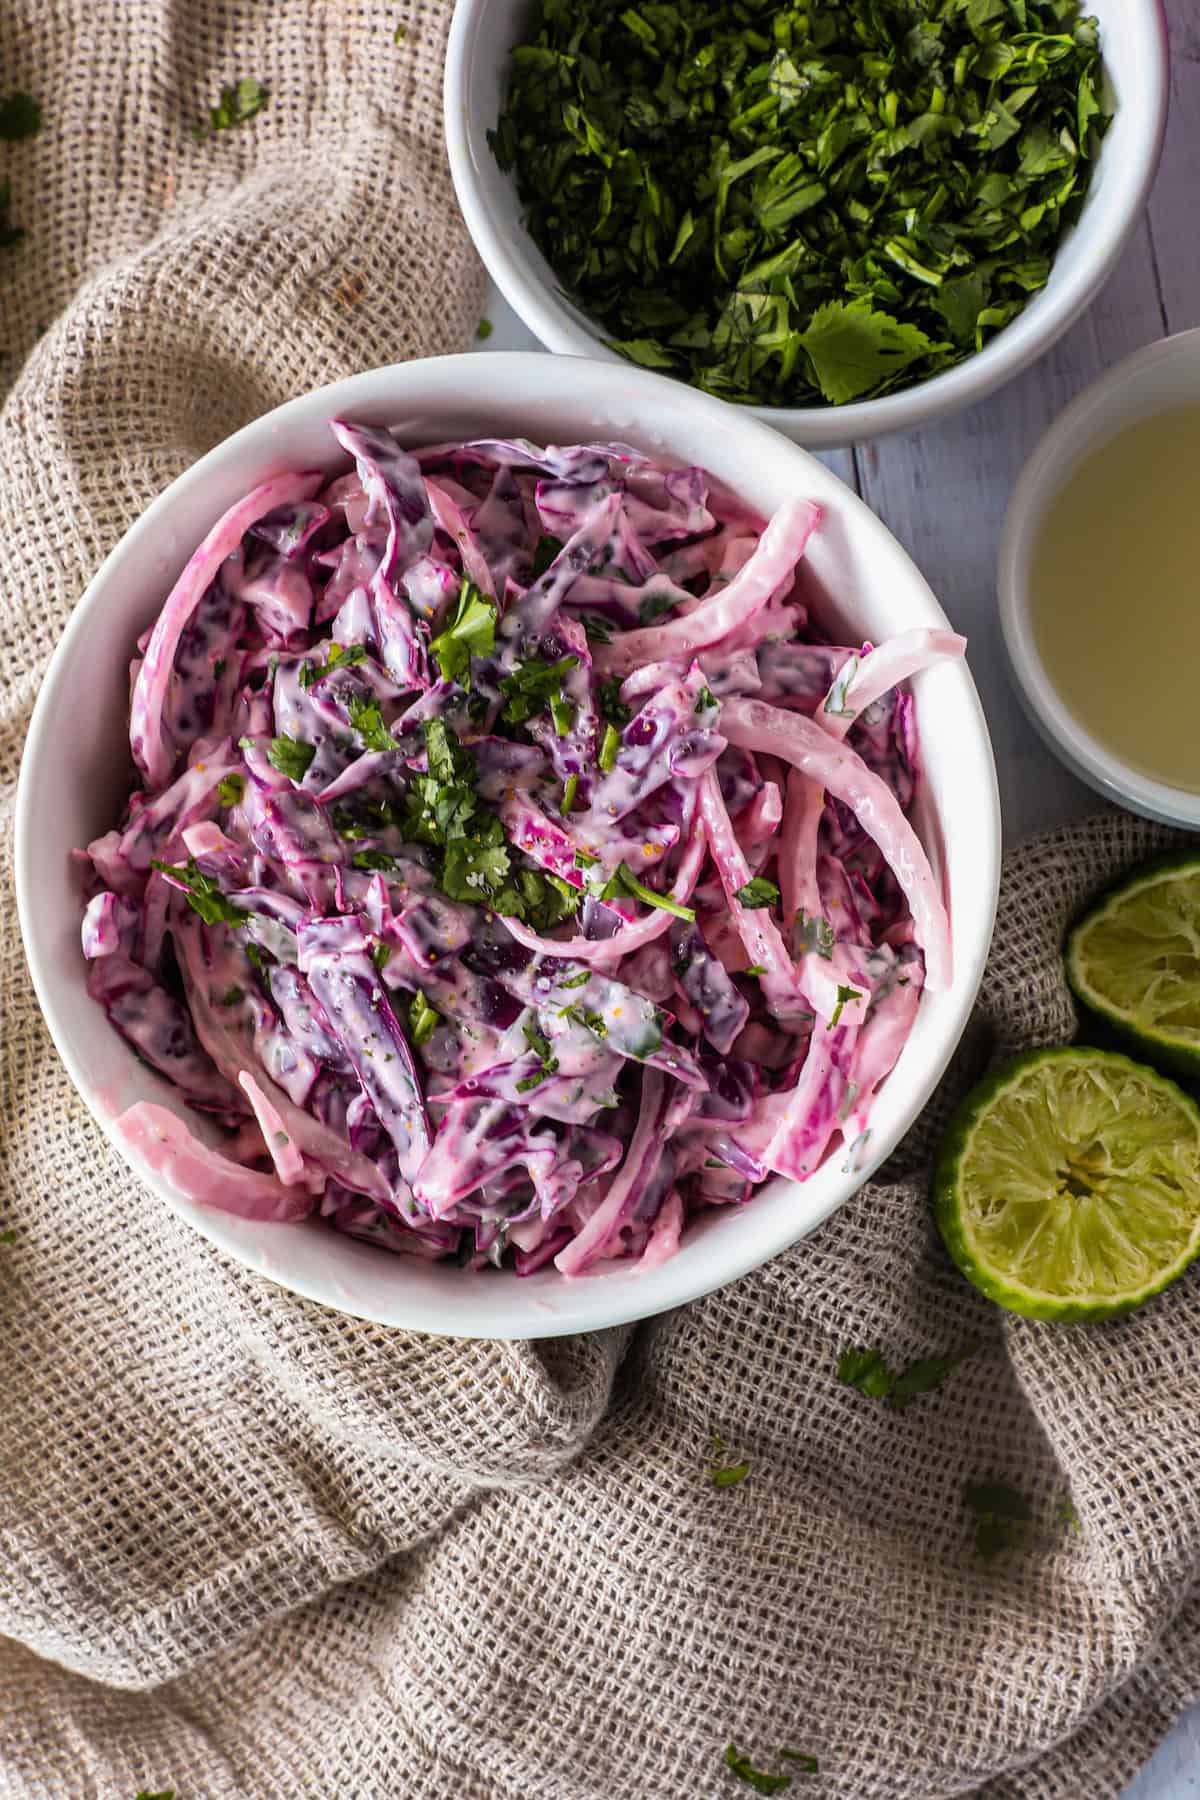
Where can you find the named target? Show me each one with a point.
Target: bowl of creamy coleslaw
(526, 850)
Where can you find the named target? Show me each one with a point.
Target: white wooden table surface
(944, 492)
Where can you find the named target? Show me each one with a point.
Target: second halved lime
(1068, 1184)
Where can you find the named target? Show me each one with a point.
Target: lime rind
(1133, 962)
(1067, 1186)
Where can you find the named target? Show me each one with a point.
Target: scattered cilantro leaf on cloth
(1002, 1516)
(484, 330)
(808, 1764)
(868, 1371)
(243, 100)
(8, 1235)
(821, 203)
(20, 117)
(758, 1779)
(723, 1474)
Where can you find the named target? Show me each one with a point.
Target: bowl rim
(619, 1299)
(1093, 420)
(1011, 351)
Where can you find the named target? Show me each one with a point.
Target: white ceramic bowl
(1153, 380)
(73, 784)
(1135, 44)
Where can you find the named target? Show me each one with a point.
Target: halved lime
(1068, 1184)
(1135, 961)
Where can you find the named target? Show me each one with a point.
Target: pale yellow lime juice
(1115, 595)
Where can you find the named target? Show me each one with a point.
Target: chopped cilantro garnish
(592, 1021)
(585, 860)
(568, 798)
(813, 936)
(233, 996)
(470, 631)
(808, 1764)
(755, 969)
(580, 980)
(609, 702)
(705, 700)
(844, 996)
(609, 746)
(8, 1235)
(367, 720)
(484, 330)
(625, 880)
(258, 958)
(562, 711)
(537, 1040)
(1002, 1516)
(373, 859)
(20, 117)
(597, 630)
(789, 205)
(231, 789)
(544, 553)
(533, 686)
(422, 1019)
(758, 1779)
(731, 1475)
(203, 894)
(337, 656)
(757, 893)
(238, 103)
(291, 756)
(382, 953)
(653, 606)
(868, 1371)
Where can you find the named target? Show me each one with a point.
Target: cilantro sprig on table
(804, 204)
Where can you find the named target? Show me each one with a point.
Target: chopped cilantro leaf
(625, 880)
(813, 936)
(470, 631)
(731, 1475)
(568, 798)
(596, 629)
(20, 117)
(203, 894)
(580, 980)
(242, 101)
(757, 893)
(755, 969)
(562, 711)
(538, 1042)
(373, 859)
(1002, 1516)
(8, 1235)
(585, 860)
(844, 996)
(484, 330)
(609, 702)
(868, 1371)
(291, 756)
(533, 686)
(230, 789)
(400, 33)
(758, 1779)
(544, 553)
(610, 744)
(233, 996)
(705, 700)
(808, 1764)
(382, 953)
(422, 1019)
(367, 720)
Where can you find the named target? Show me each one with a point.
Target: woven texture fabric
(254, 1549)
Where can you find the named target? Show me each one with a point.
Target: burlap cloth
(252, 1548)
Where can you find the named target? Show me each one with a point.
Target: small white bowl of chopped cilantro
(851, 218)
